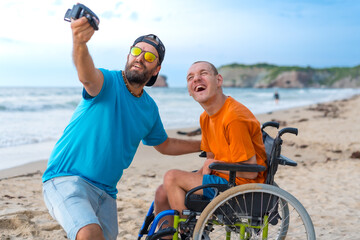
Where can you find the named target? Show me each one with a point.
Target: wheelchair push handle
(271, 124)
(288, 130)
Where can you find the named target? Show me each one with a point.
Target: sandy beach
(326, 180)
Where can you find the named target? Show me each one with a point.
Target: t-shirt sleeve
(107, 76)
(204, 142)
(157, 134)
(240, 142)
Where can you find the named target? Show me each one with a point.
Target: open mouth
(199, 88)
(138, 65)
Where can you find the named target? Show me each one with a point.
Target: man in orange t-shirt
(233, 135)
(230, 133)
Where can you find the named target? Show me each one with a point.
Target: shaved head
(213, 68)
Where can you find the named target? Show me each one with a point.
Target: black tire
(246, 204)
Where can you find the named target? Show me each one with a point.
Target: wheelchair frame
(232, 210)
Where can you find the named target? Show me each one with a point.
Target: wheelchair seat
(198, 203)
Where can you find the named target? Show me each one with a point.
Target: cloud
(8, 40)
(134, 16)
(118, 4)
(158, 19)
(58, 2)
(110, 15)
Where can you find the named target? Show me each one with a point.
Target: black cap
(160, 48)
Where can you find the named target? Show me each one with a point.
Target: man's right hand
(205, 168)
(82, 30)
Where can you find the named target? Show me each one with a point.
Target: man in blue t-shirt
(115, 114)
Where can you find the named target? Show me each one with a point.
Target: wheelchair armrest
(219, 187)
(237, 167)
(286, 161)
(199, 202)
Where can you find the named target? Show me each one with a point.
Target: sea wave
(38, 99)
(36, 115)
(34, 107)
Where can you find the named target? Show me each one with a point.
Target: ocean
(32, 119)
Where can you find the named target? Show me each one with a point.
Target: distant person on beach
(114, 115)
(230, 133)
(276, 97)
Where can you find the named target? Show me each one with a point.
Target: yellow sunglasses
(148, 56)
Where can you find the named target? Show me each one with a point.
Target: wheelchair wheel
(284, 208)
(254, 211)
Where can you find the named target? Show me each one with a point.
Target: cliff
(266, 76)
(161, 81)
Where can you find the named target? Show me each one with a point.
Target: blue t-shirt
(104, 134)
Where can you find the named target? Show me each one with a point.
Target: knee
(170, 178)
(160, 195)
(91, 231)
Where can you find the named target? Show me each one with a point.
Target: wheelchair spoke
(255, 211)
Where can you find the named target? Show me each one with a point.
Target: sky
(36, 43)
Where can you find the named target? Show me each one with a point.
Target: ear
(219, 79)
(157, 70)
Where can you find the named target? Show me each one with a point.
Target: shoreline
(28, 156)
(38, 162)
(324, 181)
(24, 169)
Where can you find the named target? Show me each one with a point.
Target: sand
(326, 180)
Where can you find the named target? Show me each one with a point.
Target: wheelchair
(249, 211)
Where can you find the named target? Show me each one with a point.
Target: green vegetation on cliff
(339, 73)
(270, 75)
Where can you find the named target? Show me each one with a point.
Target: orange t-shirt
(233, 135)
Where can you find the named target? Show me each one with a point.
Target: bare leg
(162, 204)
(161, 200)
(177, 183)
(91, 231)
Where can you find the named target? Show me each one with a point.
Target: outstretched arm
(174, 146)
(89, 76)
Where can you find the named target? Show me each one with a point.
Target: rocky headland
(161, 81)
(265, 75)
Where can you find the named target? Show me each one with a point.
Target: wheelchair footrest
(162, 233)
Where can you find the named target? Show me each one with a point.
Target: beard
(137, 77)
